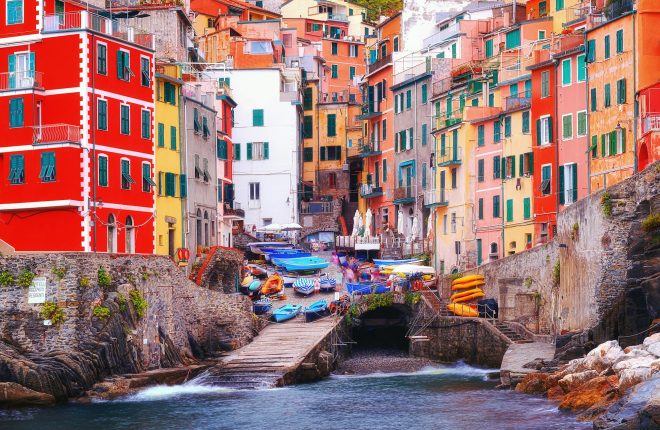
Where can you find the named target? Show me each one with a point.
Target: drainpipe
(586, 90)
(555, 126)
(634, 126)
(183, 151)
(94, 126)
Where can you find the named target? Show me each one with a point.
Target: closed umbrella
(399, 223)
(291, 226)
(414, 231)
(272, 228)
(367, 223)
(356, 223)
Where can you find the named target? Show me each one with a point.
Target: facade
(77, 135)
(230, 214)
(334, 13)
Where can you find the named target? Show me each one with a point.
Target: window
(335, 71)
(621, 91)
(161, 135)
(509, 210)
(582, 123)
(424, 176)
(526, 164)
(170, 184)
(16, 169)
(541, 34)
(330, 153)
(567, 126)
(513, 39)
(126, 179)
(566, 66)
(332, 125)
(383, 51)
(481, 131)
(544, 131)
(581, 68)
(454, 181)
(525, 122)
(237, 151)
(496, 167)
(102, 114)
(489, 48)
(101, 59)
(497, 137)
(509, 166)
(453, 50)
(183, 186)
(408, 99)
(333, 48)
(607, 46)
(47, 173)
(254, 191)
(384, 170)
(14, 11)
(103, 171)
(480, 208)
(411, 136)
(480, 170)
(170, 93)
(425, 97)
(546, 177)
(527, 209)
(197, 125)
(16, 112)
(147, 182)
(352, 51)
(173, 133)
(496, 206)
(257, 117)
(383, 134)
(607, 96)
(221, 149)
(257, 151)
(513, 90)
(146, 124)
(592, 98)
(308, 125)
(619, 41)
(507, 126)
(568, 184)
(308, 155)
(545, 84)
(206, 175)
(594, 146)
(591, 51)
(145, 72)
(125, 119)
(395, 42)
(559, 5)
(124, 72)
(491, 100)
(308, 99)
(351, 72)
(424, 133)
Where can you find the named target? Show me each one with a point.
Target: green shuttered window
(161, 135)
(47, 173)
(16, 169)
(257, 117)
(103, 171)
(332, 125)
(102, 120)
(173, 133)
(513, 39)
(16, 112)
(125, 113)
(146, 124)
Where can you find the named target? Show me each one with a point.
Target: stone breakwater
(613, 387)
(106, 328)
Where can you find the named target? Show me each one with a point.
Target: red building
(544, 147)
(77, 148)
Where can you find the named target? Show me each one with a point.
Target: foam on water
(460, 369)
(164, 392)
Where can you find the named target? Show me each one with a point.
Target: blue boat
(281, 255)
(285, 312)
(258, 247)
(367, 288)
(304, 286)
(328, 284)
(384, 262)
(254, 288)
(301, 264)
(316, 310)
(262, 306)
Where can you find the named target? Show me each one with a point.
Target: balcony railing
(379, 63)
(450, 156)
(651, 123)
(512, 103)
(616, 8)
(441, 87)
(318, 207)
(435, 198)
(443, 35)
(404, 193)
(448, 119)
(370, 190)
(84, 20)
(55, 133)
(367, 150)
(337, 17)
(29, 79)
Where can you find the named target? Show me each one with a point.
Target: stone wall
(182, 323)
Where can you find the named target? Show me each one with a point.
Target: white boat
(407, 269)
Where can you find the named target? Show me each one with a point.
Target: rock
(639, 409)
(603, 356)
(12, 394)
(556, 393)
(574, 380)
(645, 360)
(633, 376)
(654, 349)
(654, 338)
(593, 392)
(534, 383)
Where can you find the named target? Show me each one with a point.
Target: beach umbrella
(272, 228)
(356, 223)
(429, 228)
(291, 226)
(414, 231)
(399, 223)
(367, 223)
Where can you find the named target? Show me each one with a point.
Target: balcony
(55, 133)
(83, 20)
(448, 119)
(451, 156)
(233, 211)
(404, 194)
(651, 123)
(433, 198)
(316, 208)
(616, 8)
(27, 80)
(369, 191)
(381, 62)
(515, 103)
(441, 87)
(443, 35)
(338, 17)
(367, 150)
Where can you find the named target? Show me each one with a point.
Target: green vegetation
(83, 282)
(101, 312)
(575, 232)
(131, 279)
(375, 8)
(412, 298)
(556, 273)
(651, 223)
(59, 272)
(528, 282)
(25, 278)
(606, 203)
(6, 279)
(104, 278)
(455, 276)
(139, 302)
(51, 311)
(122, 302)
(376, 301)
(538, 299)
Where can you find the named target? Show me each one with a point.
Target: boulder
(603, 356)
(574, 380)
(654, 338)
(595, 391)
(654, 349)
(556, 393)
(12, 394)
(639, 409)
(645, 360)
(633, 376)
(534, 383)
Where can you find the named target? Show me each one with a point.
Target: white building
(266, 138)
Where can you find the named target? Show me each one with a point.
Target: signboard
(37, 291)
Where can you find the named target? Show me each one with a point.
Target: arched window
(198, 228)
(493, 248)
(130, 235)
(206, 228)
(112, 234)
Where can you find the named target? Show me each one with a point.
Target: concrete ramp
(519, 354)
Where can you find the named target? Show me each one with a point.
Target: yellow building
(170, 224)
(340, 11)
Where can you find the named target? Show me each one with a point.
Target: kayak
(470, 297)
(383, 262)
(462, 310)
(467, 285)
(465, 293)
(468, 278)
(316, 310)
(407, 269)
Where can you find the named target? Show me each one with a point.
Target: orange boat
(465, 293)
(273, 285)
(462, 310)
(467, 285)
(470, 297)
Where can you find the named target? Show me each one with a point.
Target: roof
(205, 7)
(388, 20)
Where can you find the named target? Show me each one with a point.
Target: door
(409, 182)
(24, 76)
(377, 174)
(170, 242)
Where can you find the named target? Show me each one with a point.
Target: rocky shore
(363, 362)
(613, 387)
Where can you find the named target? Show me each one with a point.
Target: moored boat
(257, 247)
(327, 284)
(380, 262)
(367, 288)
(304, 286)
(301, 263)
(316, 310)
(273, 285)
(286, 312)
(262, 306)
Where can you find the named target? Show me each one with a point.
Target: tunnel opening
(383, 328)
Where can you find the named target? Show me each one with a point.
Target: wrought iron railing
(55, 133)
(28, 79)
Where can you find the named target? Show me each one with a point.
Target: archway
(130, 235)
(383, 328)
(112, 234)
(642, 157)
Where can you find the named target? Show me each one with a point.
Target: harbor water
(433, 397)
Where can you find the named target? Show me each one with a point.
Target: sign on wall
(37, 291)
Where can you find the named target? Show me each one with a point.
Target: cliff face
(106, 328)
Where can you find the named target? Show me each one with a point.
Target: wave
(164, 392)
(458, 369)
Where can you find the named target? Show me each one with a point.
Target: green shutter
(623, 140)
(513, 39)
(146, 124)
(237, 151)
(424, 134)
(607, 46)
(575, 182)
(594, 146)
(16, 112)
(480, 170)
(480, 135)
(257, 117)
(613, 146)
(509, 210)
(602, 145)
(591, 50)
(622, 91)
(384, 170)
(496, 206)
(424, 94)
(308, 126)
(332, 124)
(173, 134)
(497, 137)
(266, 151)
(161, 135)
(408, 99)
(608, 100)
(396, 142)
(521, 161)
(308, 100)
(531, 163)
(559, 5)
(120, 65)
(12, 69)
(562, 198)
(619, 41)
(496, 167)
(103, 171)
(335, 71)
(489, 48)
(480, 206)
(525, 122)
(249, 151)
(507, 126)
(581, 68)
(102, 122)
(183, 186)
(566, 69)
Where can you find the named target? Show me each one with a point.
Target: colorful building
(78, 135)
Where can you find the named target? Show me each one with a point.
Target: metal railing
(367, 190)
(511, 103)
(442, 35)
(404, 192)
(317, 207)
(651, 123)
(55, 133)
(338, 17)
(85, 20)
(435, 197)
(351, 241)
(448, 119)
(379, 63)
(450, 155)
(28, 79)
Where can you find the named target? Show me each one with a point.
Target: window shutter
(496, 167)
(396, 142)
(249, 151)
(120, 65)
(513, 167)
(562, 199)
(613, 147)
(575, 182)
(550, 129)
(623, 91)
(623, 140)
(183, 185)
(503, 169)
(384, 170)
(173, 137)
(602, 145)
(526, 208)
(522, 163)
(265, 150)
(12, 70)
(161, 135)
(103, 171)
(509, 210)
(538, 131)
(332, 125)
(531, 163)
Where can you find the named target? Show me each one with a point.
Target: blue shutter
(183, 185)
(12, 71)
(16, 112)
(265, 150)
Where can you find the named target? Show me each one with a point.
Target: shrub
(556, 272)
(651, 223)
(528, 282)
(6, 279)
(83, 282)
(455, 276)
(122, 302)
(101, 312)
(51, 311)
(25, 278)
(412, 298)
(575, 231)
(139, 302)
(606, 203)
(60, 272)
(104, 278)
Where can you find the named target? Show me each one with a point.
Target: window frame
(146, 129)
(142, 63)
(564, 136)
(577, 123)
(99, 102)
(566, 65)
(107, 170)
(104, 71)
(121, 119)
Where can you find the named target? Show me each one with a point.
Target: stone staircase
(507, 331)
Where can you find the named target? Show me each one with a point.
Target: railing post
(84, 19)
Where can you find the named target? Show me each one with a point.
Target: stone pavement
(519, 354)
